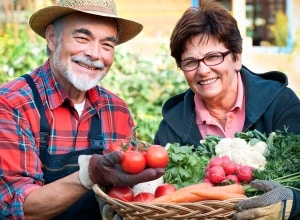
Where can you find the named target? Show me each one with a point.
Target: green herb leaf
(186, 165)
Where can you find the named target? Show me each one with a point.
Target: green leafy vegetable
(208, 144)
(283, 159)
(186, 165)
(252, 136)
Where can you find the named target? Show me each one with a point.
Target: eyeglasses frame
(224, 54)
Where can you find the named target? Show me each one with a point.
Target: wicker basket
(210, 209)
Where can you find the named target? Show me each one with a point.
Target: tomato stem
(133, 140)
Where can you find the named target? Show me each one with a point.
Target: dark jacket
(270, 106)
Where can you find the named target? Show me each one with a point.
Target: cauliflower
(243, 153)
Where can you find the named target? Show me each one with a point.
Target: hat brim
(42, 18)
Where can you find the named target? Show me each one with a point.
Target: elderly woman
(225, 97)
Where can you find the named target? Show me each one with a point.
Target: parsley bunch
(186, 165)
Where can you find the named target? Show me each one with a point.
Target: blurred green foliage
(19, 56)
(144, 82)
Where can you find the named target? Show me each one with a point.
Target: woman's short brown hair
(209, 20)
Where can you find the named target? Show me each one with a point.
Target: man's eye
(81, 39)
(109, 45)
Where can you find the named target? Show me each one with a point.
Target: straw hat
(105, 8)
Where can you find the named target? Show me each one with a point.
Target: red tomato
(133, 162)
(144, 197)
(157, 156)
(143, 152)
(216, 174)
(124, 193)
(164, 189)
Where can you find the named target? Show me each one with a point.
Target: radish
(206, 175)
(244, 174)
(208, 181)
(216, 161)
(230, 168)
(216, 174)
(232, 179)
(207, 168)
(225, 159)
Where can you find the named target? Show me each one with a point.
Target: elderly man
(57, 121)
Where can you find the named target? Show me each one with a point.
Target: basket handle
(99, 192)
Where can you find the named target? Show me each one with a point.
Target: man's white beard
(82, 82)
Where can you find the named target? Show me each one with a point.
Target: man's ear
(50, 37)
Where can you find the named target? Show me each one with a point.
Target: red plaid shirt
(20, 166)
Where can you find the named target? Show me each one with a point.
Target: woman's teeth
(206, 82)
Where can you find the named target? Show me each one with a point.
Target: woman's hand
(276, 203)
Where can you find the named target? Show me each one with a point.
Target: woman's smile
(209, 81)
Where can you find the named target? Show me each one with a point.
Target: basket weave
(209, 209)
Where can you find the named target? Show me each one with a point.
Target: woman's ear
(238, 62)
(50, 37)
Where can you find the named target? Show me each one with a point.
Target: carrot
(215, 195)
(221, 192)
(202, 191)
(183, 194)
(184, 197)
(231, 188)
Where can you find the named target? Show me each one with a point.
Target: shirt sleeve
(20, 166)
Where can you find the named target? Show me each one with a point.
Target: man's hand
(276, 203)
(105, 170)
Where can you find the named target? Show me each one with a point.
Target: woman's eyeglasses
(211, 59)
